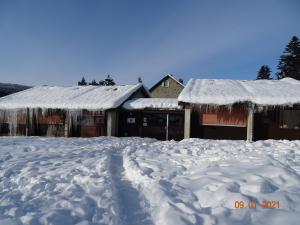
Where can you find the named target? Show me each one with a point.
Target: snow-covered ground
(135, 181)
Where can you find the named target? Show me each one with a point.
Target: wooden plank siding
(236, 117)
(88, 124)
(269, 125)
(151, 123)
(220, 123)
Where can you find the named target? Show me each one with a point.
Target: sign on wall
(130, 120)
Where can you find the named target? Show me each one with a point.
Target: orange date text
(252, 204)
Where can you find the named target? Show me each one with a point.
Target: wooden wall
(89, 124)
(219, 123)
(269, 125)
(172, 91)
(236, 117)
(151, 123)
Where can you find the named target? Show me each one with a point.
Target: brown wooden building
(81, 111)
(244, 110)
(160, 118)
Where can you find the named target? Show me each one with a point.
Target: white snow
(152, 103)
(143, 181)
(75, 97)
(228, 92)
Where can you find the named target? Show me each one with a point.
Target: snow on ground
(130, 181)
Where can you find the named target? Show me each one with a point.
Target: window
(176, 120)
(290, 119)
(155, 120)
(99, 119)
(88, 120)
(165, 83)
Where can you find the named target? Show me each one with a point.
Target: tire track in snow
(131, 204)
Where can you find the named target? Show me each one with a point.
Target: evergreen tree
(94, 83)
(102, 83)
(264, 73)
(109, 81)
(82, 82)
(140, 80)
(289, 62)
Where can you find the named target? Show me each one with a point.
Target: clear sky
(56, 42)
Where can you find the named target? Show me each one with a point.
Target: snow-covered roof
(152, 103)
(227, 92)
(74, 97)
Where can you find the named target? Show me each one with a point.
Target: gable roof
(152, 103)
(164, 78)
(74, 97)
(227, 92)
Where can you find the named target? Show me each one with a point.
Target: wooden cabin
(79, 111)
(242, 110)
(160, 118)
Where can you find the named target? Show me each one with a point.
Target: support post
(112, 123)
(250, 124)
(167, 127)
(67, 121)
(27, 122)
(187, 122)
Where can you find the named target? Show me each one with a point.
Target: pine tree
(109, 81)
(82, 82)
(289, 62)
(94, 83)
(102, 83)
(264, 73)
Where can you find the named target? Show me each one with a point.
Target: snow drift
(134, 181)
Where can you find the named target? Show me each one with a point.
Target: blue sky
(56, 42)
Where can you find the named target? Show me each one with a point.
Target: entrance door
(154, 125)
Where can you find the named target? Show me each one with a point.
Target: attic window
(165, 83)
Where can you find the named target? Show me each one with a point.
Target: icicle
(72, 119)
(14, 116)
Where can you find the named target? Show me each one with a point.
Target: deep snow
(144, 181)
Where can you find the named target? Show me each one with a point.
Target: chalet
(160, 118)
(239, 109)
(167, 87)
(82, 111)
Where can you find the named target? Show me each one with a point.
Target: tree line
(289, 63)
(108, 81)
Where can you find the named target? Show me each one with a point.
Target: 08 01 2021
(252, 204)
